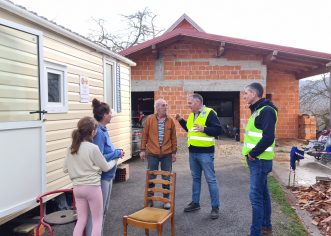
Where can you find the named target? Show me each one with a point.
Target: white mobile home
(47, 68)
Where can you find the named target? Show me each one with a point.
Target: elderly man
(202, 126)
(259, 144)
(159, 142)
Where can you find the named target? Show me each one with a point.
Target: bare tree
(314, 100)
(140, 27)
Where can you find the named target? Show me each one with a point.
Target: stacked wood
(307, 127)
(316, 199)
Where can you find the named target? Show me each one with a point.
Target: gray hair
(257, 88)
(197, 96)
(158, 102)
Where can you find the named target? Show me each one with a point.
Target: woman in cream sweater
(85, 163)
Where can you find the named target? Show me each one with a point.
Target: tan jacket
(150, 137)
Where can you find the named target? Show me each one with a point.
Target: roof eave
(47, 24)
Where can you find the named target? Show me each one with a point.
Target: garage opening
(226, 104)
(142, 105)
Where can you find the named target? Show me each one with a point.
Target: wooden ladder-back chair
(152, 217)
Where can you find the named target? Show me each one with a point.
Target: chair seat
(150, 214)
(61, 217)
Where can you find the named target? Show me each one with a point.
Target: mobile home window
(110, 89)
(57, 96)
(112, 83)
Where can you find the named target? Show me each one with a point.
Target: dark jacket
(213, 128)
(266, 122)
(150, 137)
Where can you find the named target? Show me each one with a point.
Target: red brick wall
(244, 115)
(177, 103)
(193, 70)
(144, 69)
(202, 70)
(283, 87)
(285, 95)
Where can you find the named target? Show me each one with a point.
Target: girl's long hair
(85, 127)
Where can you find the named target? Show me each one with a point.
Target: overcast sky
(296, 23)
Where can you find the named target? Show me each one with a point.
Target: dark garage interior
(142, 104)
(226, 104)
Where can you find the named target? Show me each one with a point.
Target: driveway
(235, 208)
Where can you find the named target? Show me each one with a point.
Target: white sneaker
(167, 206)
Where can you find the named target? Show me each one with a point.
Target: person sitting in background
(84, 163)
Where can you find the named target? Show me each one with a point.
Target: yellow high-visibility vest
(199, 139)
(253, 136)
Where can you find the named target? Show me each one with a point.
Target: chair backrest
(157, 191)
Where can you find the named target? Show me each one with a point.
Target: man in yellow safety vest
(259, 144)
(202, 127)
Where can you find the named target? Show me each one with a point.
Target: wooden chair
(152, 217)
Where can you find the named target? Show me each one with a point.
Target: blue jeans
(204, 162)
(259, 195)
(166, 165)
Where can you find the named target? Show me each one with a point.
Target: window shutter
(118, 88)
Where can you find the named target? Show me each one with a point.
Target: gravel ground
(235, 209)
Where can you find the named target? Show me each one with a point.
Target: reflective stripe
(251, 146)
(192, 130)
(254, 134)
(211, 139)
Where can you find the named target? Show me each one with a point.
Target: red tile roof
(227, 40)
(183, 21)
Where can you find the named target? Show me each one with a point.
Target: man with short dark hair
(259, 144)
(202, 127)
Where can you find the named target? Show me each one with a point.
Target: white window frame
(106, 82)
(57, 107)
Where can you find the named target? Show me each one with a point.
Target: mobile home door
(22, 158)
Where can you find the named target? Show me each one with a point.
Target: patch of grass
(293, 226)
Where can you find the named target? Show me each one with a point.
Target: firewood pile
(316, 199)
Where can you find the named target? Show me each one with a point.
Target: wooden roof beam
(270, 57)
(282, 69)
(306, 60)
(296, 67)
(155, 51)
(287, 68)
(296, 63)
(220, 49)
(317, 71)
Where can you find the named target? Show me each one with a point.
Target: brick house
(185, 59)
